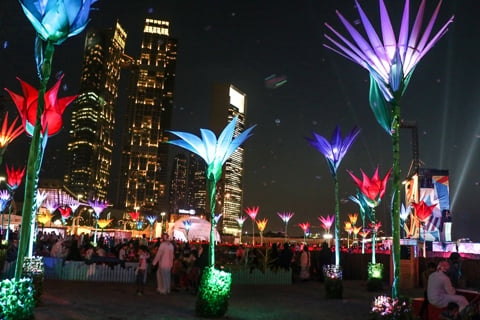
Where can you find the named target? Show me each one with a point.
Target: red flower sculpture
(134, 215)
(14, 177)
(422, 210)
(373, 189)
(52, 114)
(65, 212)
(252, 212)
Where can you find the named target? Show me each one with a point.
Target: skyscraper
(145, 169)
(89, 157)
(178, 184)
(197, 184)
(228, 102)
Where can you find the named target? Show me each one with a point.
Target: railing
(58, 269)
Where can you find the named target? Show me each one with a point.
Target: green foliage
(34, 268)
(386, 308)
(214, 293)
(16, 299)
(375, 270)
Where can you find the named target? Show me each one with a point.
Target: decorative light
(134, 215)
(187, 224)
(14, 177)
(285, 216)
(102, 223)
(252, 213)
(327, 222)
(261, 224)
(240, 220)
(305, 227)
(373, 188)
(151, 220)
(8, 135)
(353, 218)
(334, 152)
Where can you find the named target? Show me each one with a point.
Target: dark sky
(243, 42)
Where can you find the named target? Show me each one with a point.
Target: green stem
(211, 188)
(337, 223)
(395, 210)
(374, 234)
(34, 155)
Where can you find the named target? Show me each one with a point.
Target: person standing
(305, 264)
(164, 259)
(141, 271)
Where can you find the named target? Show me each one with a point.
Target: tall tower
(89, 157)
(197, 184)
(149, 113)
(228, 102)
(178, 184)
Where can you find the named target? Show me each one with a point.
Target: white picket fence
(59, 269)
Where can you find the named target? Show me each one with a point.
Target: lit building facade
(227, 103)
(178, 184)
(197, 184)
(144, 167)
(90, 147)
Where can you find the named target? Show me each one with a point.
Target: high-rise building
(144, 179)
(227, 103)
(90, 148)
(178, 184)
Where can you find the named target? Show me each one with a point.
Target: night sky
(244, 42)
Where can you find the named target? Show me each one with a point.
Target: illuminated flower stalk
(349, 228)
(187, 224)
(286, 216)
(151, 220)
(98, 206)
(4, 198)
(305, 227)
(65, 212)
(334, 152)
(14, 180)
(240, 221)
(215, 152)
(252, 213)
(54, 21)
(390, 64)
(422, 212)
(74, 205)
(372, 191)
(365, 211)
(261, 224)
(134, 215)
(356, 230)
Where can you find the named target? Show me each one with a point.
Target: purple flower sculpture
(390, 63)
(334, 152)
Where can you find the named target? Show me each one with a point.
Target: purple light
(98, 206)
(285, 216)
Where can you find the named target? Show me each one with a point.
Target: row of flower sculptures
(390, 64)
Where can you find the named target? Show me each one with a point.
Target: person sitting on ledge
(440, 291)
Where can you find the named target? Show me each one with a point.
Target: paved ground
(77, 300)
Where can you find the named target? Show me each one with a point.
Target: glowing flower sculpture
(215, 152)
(4, 199)
(327, 222)
(372, 190)
(404, 214)
(14, 180)
(65, 212)
(422, 212)
(8, 134)
(391, 66)
(51, 206)
(261, 224)
(252, 213)
(356, 230)
(187, 224)
(98, 206)
(103, 223)
(353, 218)
(286, 216)
(151, 220)
(217, 218)
(54, 21)
(306, 230)
(240, 221)
(134, 215)
(53, 109)
(334, 152)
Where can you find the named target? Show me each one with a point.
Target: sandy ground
(110, 301)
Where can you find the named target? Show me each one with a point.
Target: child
(141, 273)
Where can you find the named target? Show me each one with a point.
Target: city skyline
(245, 44)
